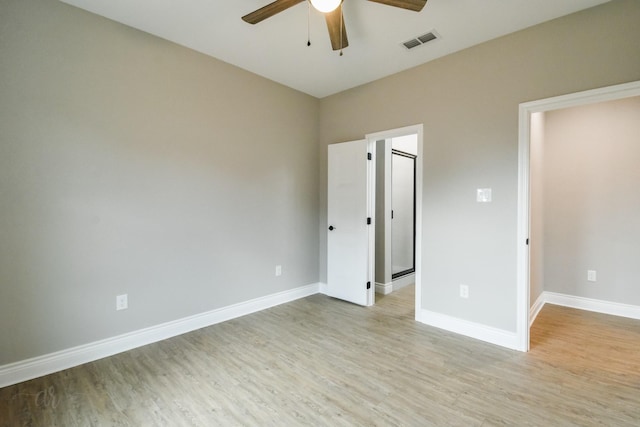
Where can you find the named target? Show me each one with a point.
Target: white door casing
(526, 109)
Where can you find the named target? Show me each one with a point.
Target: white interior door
(349, 237)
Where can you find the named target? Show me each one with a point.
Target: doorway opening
(398, 202)
(352, 220)
(528, 216)
(395, 212)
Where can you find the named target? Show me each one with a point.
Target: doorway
(529, 119)
(352, 216)
(395, 212)
(398, 217)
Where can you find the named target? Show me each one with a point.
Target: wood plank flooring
(323, 362)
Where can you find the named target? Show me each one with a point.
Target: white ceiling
(277, 47)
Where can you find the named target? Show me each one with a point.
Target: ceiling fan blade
(335, 23)
(415, 5)
(269, 10)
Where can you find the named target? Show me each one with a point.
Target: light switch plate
(483, 195)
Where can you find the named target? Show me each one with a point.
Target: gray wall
(536, 208)
(382, 219)
(592, 200)
(468, 103)
(132, 165)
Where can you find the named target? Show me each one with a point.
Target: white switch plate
(122, 302)
(278, 270)
(464, 291)
(483, 195)
(591, 275)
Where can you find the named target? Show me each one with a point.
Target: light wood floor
(320, 361)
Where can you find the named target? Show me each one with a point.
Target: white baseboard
(323, 289)
(403, 281)
(470, 329)
(43, 365)
(599, 306)
(535, 308)
(387, 288)
(384, 288)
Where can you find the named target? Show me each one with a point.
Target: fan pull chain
(309, 23)
(341, 29)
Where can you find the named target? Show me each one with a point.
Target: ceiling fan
(332, 10)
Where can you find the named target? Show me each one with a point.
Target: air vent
(412, 43)
(420, 40)
(426, 38)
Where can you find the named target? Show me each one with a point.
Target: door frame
(371, 213)
(394, 133)
(609, 93)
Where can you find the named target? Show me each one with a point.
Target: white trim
(609, 93)
(403, 281)
(394, 133)
(384, 288)
(386, 208)
(323, 288)
(387, 288)
(24, 370)
(418, 273)
(535, 308)
(522, 234)
(589, 304)
(371, 213)
(470, 329)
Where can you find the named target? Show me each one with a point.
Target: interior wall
(536, 207)
(591, 200)
(407, 143)
(468, 104)
(382, 219)
(129, 164)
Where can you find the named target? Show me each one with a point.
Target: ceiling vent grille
(420, 40)
(410, 44)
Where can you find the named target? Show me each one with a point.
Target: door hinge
(368, 285)
(368, 156)
(369, 221)
(527, 241)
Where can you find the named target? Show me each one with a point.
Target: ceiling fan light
(326, 6)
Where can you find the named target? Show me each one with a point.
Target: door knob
(331, 228)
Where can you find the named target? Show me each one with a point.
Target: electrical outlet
(122, 302)
(591, 275)
(278, 270)
(464, 291)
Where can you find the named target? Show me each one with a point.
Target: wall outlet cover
(122, 302)
(464, 291)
